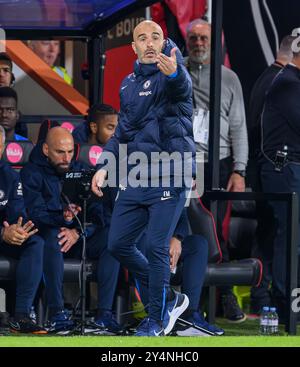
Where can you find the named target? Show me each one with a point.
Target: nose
(199, 41)
(66, 158)
(3, 112)
(149, 43)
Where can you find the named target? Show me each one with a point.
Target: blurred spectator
(18, 240)
(101, 124)
(265, 232)
(233, 134)
(280, 168)
(7, 77)
(49, 51)
(9, 114)
(257, 99)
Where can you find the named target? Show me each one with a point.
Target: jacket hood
(146, 69)
(38, 157)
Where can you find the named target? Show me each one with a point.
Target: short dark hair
(6, 58)
(7, 92)
(98, 110)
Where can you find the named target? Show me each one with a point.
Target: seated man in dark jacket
(42, 179)
(18, 240)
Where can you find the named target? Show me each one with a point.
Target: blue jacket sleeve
(179, 89)
(35, 203)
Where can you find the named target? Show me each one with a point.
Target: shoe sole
(191, 332)
(174, 315)
(201, 329)
(237, 321)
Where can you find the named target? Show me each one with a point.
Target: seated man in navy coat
(42, 179)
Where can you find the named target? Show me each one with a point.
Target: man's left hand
(67, 238)
(236, 183)
(175, 252)
(167, 65)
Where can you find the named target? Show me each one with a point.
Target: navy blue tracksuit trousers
(29, 270)
(286, 181)
(157, 209)
(107, 267)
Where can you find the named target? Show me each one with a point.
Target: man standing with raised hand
(155, 117)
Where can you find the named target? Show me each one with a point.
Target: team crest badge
(147, 84)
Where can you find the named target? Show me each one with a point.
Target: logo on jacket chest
(2, 193)
(146, 85)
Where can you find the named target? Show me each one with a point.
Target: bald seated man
(155, 117)
(42, 179)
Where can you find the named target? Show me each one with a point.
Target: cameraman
(42, 179)
(280, 170)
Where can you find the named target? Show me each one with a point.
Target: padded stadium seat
(68, 122)
(88, 154)
(242, 272)
(202, 222)
(16, 153)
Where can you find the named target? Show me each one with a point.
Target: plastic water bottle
(264, 321)
(273, 320)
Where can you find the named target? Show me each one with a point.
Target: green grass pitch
(240, 335)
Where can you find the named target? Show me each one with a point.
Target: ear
(93, 127)
(133, 47)
(45, 149)
(12, 80)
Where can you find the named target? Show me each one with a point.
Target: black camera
(280, 159)
(77, 185)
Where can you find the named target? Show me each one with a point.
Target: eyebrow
(153, 33)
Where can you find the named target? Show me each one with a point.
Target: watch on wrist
(242, 173)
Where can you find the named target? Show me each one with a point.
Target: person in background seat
(9, 114)
(100, 126)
